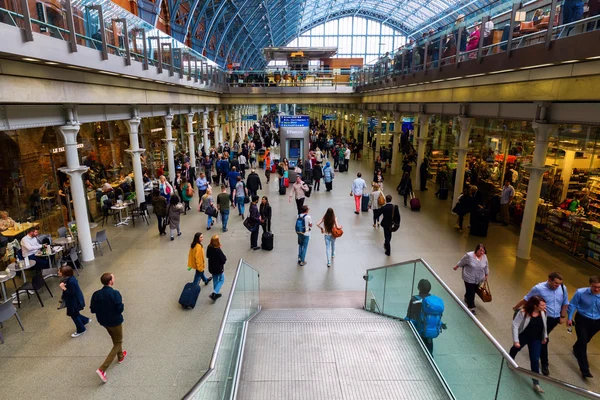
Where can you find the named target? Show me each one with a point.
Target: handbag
(250, 224)
(483, 291)
(336, 232)
(246, 199)
(395, 226)
(381, 200)
(189, 192)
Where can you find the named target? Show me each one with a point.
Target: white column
(216, 126)
(205, 130)
(395, 140)
(356, 122)
(567, 171)
(191, 141)
(366, 151)
(463, 148)
(421, 142)
(78, 195)
(135, 152)
(338, 122)
(378, 133)
(170, 141)
(543, 132)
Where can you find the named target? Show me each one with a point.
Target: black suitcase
(443, 195)
(342, 167)
(267, 241)
(364, 204)
(282, 190)
(189, 296)
(480, 221)
(309, 191)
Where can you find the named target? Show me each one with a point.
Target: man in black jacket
(253, 183)
(107, 304)
(391, 216)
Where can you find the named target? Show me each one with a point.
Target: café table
(120, 208)
(66, 242)
(5, 277)
(54, 250)
(15, 268)
(18, 229)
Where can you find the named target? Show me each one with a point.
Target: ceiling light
(537, 66)
(570, 61)
(593, 58)
(51, 63)
(108, 73)
(437, 80)
(30, 59)
(504, 70)
(474, 75)
(456, 77)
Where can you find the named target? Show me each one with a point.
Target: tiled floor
(170, 348)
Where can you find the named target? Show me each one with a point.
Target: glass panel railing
(243, 302)
(389, 291)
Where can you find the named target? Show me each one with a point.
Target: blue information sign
(294, 121)
(329, 117)
(249, 117)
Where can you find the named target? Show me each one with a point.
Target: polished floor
(170, 348)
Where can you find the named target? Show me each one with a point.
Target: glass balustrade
(469, 360)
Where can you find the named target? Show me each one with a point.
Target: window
(354, 37)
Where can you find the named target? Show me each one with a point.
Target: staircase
(331, 354)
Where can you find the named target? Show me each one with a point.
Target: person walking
(405, 188)
(265, 214)
(463, 206)
(196, 259)
(255, 217)
(165, 188)
(391, 217)
(317, 175)
(216, 266)
(223, 205)
(424, 170)
(187, 193)
(303, 228)
(207, 202)
(475, 269)
(374, 202)
(328, 176)
(239, 195)
(253, 183)
(529, 328)
(586, 302)
(107, 304)
(299, 189)
(358, 187)
(73, 300)
(242, 163)
(174, 213)
(202, 185)
(159, 207)
(327, 225)
(554, 293)
(378, 178)
(508, 193)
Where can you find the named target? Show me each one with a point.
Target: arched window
(354, 37)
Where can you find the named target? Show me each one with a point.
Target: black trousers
(266, 225)
(470, 290)
(254, 237)
(299, 204)
(551, 323)
(405, 199)
(585, 328)
(317, 184)
(387, 235)
(328, 186)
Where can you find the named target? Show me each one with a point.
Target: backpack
(429, 324)
(301, 224)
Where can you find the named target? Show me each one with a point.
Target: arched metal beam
(215, 18)
(237, 34)
(224, 33)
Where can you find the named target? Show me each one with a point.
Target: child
(174, 214)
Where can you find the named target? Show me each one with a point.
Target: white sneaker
(538, 389)
(74, 335)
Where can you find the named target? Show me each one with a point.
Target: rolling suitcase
(364, 203)
(282, 190)
(189, 296)
(480, 220)
(267, 241)
(342, 167)
(308, 192)
(286, 182)
(443, 195)
(215, 179)
(415, 204)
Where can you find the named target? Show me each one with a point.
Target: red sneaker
(102, 375)
(124, 355)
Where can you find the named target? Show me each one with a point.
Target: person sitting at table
(106, 187)
(5, 221)
(30, 245)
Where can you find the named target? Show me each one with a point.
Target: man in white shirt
(508, 192)
(242, 163)
(299, 189)
(487, 30)
(347, 156)
(358, 186)
(30, 246)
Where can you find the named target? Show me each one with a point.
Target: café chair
(100, 238)
(7, 310)
(62, 232)
(141, 211)
(36, 284)
(74, 259)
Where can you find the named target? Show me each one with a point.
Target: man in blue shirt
(586, 302)
(555, 294)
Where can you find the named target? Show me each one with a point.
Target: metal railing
(389, 290)
(219, 381)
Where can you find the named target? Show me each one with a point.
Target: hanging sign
(329, 117)
(249, 117)
(294, 121)
(62, 149)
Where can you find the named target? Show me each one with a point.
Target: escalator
(369, 353)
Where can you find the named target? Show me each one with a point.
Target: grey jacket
(521, 322)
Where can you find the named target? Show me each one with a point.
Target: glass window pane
(358, 46)
(373, 44)
(316, 41)
(360, 26)
(346, 26)
(293, 43)
(345, 44)
(318, 30)
(331, 41)
(373, 27)
(304, 41)
(331, 27)
(386, 30)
